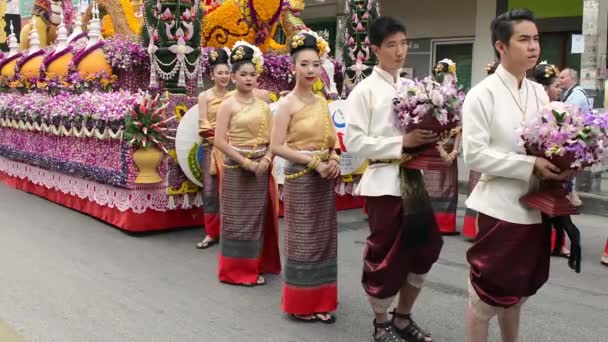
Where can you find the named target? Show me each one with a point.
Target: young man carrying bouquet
(510, 260)
(405, 241)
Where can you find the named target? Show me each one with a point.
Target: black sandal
(411, 333)
(390, 334)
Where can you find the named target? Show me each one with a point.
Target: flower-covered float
(90, 123)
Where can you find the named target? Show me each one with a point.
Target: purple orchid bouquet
(569, 138)
(430, 105)
(124, 54)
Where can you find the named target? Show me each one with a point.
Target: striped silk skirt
(249, 223)
(211, 188)
(442, 187)
(469, 226)
(310, 244)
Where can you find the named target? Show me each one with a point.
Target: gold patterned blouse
(311, 128)
(251, 126)
(207, 127)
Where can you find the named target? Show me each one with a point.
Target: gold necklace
(216, 95)
(248, 103)
(523, 112)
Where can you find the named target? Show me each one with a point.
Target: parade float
(90, 121)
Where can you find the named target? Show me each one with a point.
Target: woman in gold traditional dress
(208, 104)
(249, 238)
(305, 136)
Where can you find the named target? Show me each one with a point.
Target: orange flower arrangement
(223, 26)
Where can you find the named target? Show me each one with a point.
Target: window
(461, 52)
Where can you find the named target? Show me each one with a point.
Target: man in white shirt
(405, 241)
(510, 260)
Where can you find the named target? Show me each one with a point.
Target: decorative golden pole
(2, 22)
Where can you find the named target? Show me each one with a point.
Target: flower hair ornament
(214, 55)
(550, 69)
(491, 67)
(441, 66)
(444, 67)
(298, 41)
(239, 53)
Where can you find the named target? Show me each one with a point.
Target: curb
(592, 204)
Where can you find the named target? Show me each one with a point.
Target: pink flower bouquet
(570, 139)
(430, 105)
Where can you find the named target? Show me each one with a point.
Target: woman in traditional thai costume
(442, 185)
(469, 226)
(547, 76)
(305, 136)
(208, 104)
(249, 238)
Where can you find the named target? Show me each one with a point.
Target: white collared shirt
(491, 126)
(371, 132)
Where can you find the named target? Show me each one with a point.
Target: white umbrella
(188, 146)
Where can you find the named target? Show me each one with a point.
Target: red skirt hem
(306, 301)
(238, 271)
(212, 225)
(446, 223)
(469, 227)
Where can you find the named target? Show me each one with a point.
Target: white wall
(483, 52)
(424, 19)
(322, 9)
(434, 18)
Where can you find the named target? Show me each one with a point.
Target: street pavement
(67, 277)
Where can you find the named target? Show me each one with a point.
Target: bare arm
(221, 129)
(204, 127)
(202, 106)
(262, 94)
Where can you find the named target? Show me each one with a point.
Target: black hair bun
(241, 53)
(544, 73)
(218, 56)
(303, 41)
(491, 67)
(441, 67)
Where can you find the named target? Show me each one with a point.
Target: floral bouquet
(569, 138)
(147, 124)
(430, 105)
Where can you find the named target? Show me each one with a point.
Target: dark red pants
(387, 260)
(509, 261)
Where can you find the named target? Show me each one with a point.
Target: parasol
(188, 146)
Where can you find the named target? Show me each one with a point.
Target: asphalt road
(67, 277)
